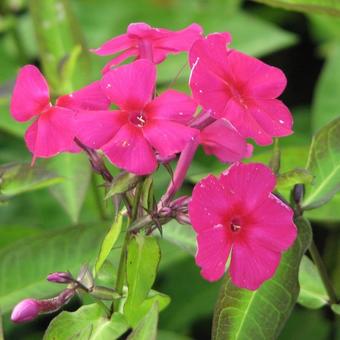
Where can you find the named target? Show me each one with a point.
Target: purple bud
(180, 202)
(26, 310)
(60, 277)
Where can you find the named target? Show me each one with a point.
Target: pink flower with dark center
(142, 125)
(239, 88)
(53, 129)
(222, 140)
(144, 41)
(237, 216)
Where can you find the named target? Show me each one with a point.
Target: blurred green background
(60, 227)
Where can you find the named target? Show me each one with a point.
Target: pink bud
(60, 277)
(26, 310)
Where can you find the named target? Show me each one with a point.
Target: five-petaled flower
(239, 88)
(145, 42)
(130, 135)
(237, 216)
(54, 127)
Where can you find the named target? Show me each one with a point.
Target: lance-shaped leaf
(25, 264)
(312, 291)
(147, 327)
(109, 241)
(76, 172)
(336, 309)
(261, 314)
(123, 182)
(308, 6)
(88, 322)
(326, 99)
(16, 179)
(288, 179)
(143, 256)
(324, 164)
(59, 40)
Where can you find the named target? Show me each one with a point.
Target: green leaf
(336, 309)
(312, 291)
(324, 163)
(163, 301)
(123, 182)
(326, 100)
(88, 322)
(57, 33)
(261, 314)
(109, 241)
(75, 170)
(308, 6)
(290, 178)
(143, 256)
(147, 327)
(181, 235)
(16, 179)
(26, 263)
(326, 213)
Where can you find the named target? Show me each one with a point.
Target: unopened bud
(26, 310)
(183, 218)
(60, 277)
(181, 202)
(298, 193)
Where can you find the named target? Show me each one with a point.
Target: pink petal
(250, 266)
(119, 59)
(130, 86)
(90, 97)
(211, 52)
(130, 151)
(209, 90)
(172, 105)
(273, 117)
(224, 141)
(142, 30)
(272, 227)
(53, 132)
(249, 184)
(181, 40)
(258, 79)
(213, 251)
(30, 95)
(96, 128)
(120, 43)
(168, 137)
(208, 205)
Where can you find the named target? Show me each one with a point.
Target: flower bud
(60, 277)
(183, 218)
(25, 310)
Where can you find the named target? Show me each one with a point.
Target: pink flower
(222, 140)
(239, 88)
(144, 41)
(236, 215)
(53, 129)
(130, 135)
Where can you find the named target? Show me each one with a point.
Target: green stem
(98, 198)
(122, 261)
(323, 272)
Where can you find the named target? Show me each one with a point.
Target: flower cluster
(234, 97)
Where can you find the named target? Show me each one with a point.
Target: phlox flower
(130, 135)
(237, 216)
(144, 41)
(239, 88)
(53, 129)
(222, 140)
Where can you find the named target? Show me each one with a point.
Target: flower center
(235, 225)
(138, 119)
